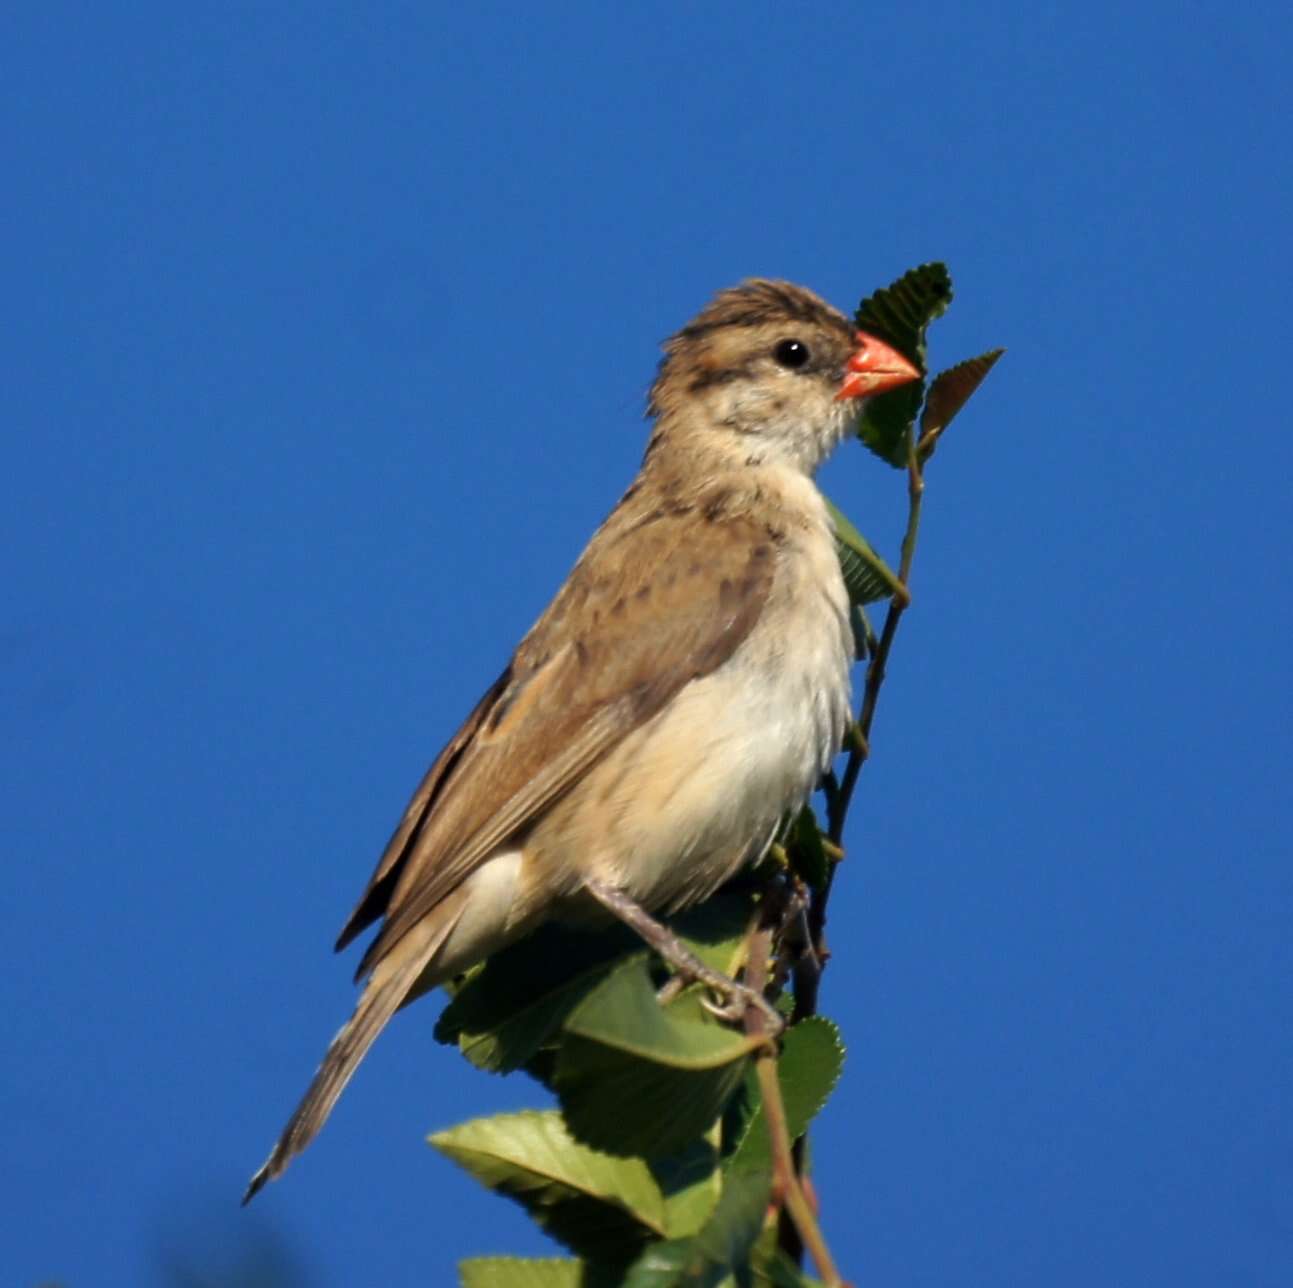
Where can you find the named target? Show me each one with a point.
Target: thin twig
(787, 1193)
(839, 795)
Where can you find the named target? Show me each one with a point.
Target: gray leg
(687, 966)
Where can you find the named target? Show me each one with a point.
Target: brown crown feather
(755, 302)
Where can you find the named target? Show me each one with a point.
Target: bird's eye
(791, 353)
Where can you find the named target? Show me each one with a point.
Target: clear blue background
(326, 335)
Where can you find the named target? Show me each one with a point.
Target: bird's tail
(391, 981)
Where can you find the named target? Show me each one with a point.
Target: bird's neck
(725, 477)
(719, 437)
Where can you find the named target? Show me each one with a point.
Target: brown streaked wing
(372, 903)
(646, 610)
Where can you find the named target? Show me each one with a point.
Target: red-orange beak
(873, 368)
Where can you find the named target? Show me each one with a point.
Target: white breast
(715, 772)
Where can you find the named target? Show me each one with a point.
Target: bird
(687, 686)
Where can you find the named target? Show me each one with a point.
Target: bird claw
(671, 989)
(732, 1012)
(728, 1002)
(738, 1001)
(734, 999)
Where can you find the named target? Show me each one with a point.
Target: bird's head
(770, 371)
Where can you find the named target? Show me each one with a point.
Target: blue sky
(327, 337)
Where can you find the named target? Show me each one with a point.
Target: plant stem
(787, 1192)
(839, 795)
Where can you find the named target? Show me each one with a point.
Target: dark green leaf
(634, 1077)
(812, 1056)
(887, 420)
(600, 1207)
(690, 1183)
(900, 314)
(505, 1012)
(716, 929)
(864, 639)
(664, 1265)
(778, 1271)
(729, 1234)
(866, 576)
(804, 846)
(720, 1252)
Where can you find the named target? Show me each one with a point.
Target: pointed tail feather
(388, 987)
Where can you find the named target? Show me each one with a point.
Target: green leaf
(716, 929)
(534, 1272)
(866, 576)
(952, 389)
(720, 1252)
(505, 1012)
(634, 1077)
(730, 1233)
(600, 1207)
(887, 420)
(691, 1182)
(664, 1265)
(899, 314)
(778, 1271)
(738, 1114)
(864, 639)
(804, 846)
(812, 1057)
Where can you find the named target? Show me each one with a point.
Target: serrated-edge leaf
(526, 1272)
(808, 1069)
(812, 1072)
(887, 420)
(900, 312)
(505, 1012)
(716, 930)
(719, 1250)
(637, 1078)
(866, 576)
(691, 1182)
(508, 1011)
(532, 1156)
(950, 390)
(623, 1013)
(729, 1234)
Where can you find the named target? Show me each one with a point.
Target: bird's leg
(686, 965)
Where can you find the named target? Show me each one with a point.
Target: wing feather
(372, 903)
(653, 604)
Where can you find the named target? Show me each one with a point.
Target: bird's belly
(683, 802)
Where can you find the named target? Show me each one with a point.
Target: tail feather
(386, 990)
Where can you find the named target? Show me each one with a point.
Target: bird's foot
(733, 999)
(671, 989)
(738, 1001)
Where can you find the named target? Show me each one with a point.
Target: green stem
(787, 1192)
